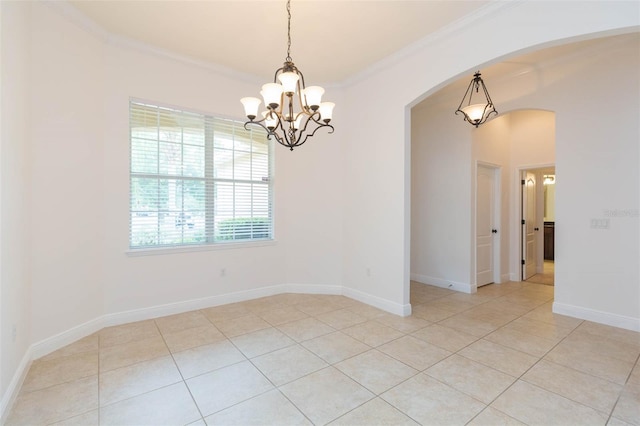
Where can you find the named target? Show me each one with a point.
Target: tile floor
(496, 357)
(547, 276)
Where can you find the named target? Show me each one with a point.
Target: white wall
(597, 273)
(441, 214)
(312, 222)
(67, 214)
(533, 133)
(136, 282)
(80, 84)
(378, 173)
(15, 307)
(550, 202)
(82, 268)
(304, 203)
(530, 135)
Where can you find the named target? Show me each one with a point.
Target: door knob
(494, 231)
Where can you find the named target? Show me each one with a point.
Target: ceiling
(331, 39)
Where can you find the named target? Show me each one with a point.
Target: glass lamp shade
(313, 96)
(270, 119)
(272, 94)
(474, 112)
(251, 106)
(297, 122)
(289, 81)
(326, 111)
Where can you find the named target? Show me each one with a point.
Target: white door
(485, 227)
(529, 224)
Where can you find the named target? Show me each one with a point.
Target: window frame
(209, 242)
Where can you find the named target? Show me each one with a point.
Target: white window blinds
(196, 179)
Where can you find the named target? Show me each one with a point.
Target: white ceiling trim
(82, 21)
(73, 15)
(67, 10)
(458, 25)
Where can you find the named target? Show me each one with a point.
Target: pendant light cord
(289, 32)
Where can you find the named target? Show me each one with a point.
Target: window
(196, 179)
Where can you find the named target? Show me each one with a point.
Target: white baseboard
(13, 389)
(60, 340)
(189, 305)
(312, 289)
(439, 282)
(505, 278)
(607, 318)
(53, 343)
(375, 301)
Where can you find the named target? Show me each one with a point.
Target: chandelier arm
(301, 78)
(275, 75)
(469, 88)
(302, 98)
(303, 140)
(320, 123)
(286, 139)
(270, 132)
(278, 139)
(306, 123)
(258, 123)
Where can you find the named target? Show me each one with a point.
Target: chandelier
(283, 99)
(476, 113)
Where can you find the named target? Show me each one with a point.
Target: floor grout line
(524, 291)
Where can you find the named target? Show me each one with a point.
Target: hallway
(546, 277)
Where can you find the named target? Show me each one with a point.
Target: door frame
(497, 221)
(517, 225)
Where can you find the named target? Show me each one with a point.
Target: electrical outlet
(14, 332)
(600, 223)
(223, 272)
(368, 271)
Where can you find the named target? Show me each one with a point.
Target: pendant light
(476, 111)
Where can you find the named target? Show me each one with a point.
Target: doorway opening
(538, 225)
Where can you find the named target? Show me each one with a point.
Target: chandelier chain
(289, 31)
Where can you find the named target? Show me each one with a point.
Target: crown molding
(145, 48)
(82, 21)
(461, 24)
(73, 15)
(79, 19)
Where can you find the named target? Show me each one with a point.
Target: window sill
(196, 248)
